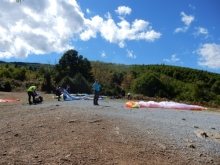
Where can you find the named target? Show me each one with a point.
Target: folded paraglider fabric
(8, 100)
(68, 97)
(163, 104)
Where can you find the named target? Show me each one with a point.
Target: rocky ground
(76, 132)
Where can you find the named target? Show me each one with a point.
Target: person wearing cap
(31, 93)
(96, 92)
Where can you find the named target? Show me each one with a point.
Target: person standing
(58, 93)
(31, 93)
(129, 96)
(96, 92)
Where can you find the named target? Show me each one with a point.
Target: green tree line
(154, 81)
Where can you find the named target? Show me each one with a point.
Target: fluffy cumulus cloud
(123, 10)
(45, 26)
(210, 55)
(118, 32)
(187, 20)
(37, 27)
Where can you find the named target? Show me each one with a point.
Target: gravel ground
(195, 129)
(77, 132)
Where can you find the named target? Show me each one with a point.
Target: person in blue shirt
(96, 92)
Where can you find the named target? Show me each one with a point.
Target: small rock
(95, 121)
(191, 146)
(16, 135)
(72, 121)
(204, 134)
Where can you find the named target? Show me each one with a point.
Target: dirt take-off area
(77, 132)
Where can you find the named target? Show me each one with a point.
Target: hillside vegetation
(163, 82)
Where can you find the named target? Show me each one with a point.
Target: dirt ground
(53, 135)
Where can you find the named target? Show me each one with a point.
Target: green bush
(7, 86)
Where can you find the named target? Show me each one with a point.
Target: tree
(19, 73)
(7, 86)
(198, 91)
(84, 67)
(47, 73)
(81, 85)
(127, 81)
(6, 73)
(216, 87)
(148, 85)
(70, 64)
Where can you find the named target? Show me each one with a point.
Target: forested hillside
(142, 81)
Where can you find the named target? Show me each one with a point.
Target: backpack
(39, 99)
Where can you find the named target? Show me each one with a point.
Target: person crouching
(31, 93)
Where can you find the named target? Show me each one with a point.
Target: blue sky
(183, 33)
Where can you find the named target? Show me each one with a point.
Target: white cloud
(37, 27)
(108, 15)
(88, 11)
(118, 32)
(103, 54)
(183, 29)
(201, 31)
(130, 54)
(173, 58)
(42, 27)
(91, 28)
(123, 10)
(121, 44)
(210, 55)
(187, 20)
(192, 7)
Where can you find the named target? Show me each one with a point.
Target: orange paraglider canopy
(130, 104)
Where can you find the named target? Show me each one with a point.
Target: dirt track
(58, 133)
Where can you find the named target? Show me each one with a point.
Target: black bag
(39, 99)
